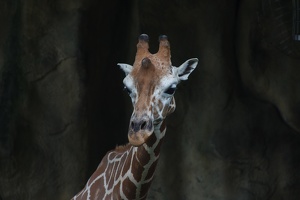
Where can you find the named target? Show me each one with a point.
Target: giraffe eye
(171, 90)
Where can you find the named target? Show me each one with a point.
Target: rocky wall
(234, 134)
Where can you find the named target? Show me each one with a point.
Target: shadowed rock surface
(234, 135)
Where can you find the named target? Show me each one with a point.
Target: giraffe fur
(126, 172)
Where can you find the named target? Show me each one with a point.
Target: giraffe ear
(184, 70)
(125, 67)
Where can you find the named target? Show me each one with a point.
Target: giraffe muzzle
(139, 131)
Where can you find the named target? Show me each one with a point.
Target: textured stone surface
(42, 96)
(234, 134)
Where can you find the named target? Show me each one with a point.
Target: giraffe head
(151, 83)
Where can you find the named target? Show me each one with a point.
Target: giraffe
(127, 171)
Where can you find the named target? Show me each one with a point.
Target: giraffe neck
(125, 173)
(144, 163)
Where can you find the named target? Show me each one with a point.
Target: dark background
(234, 136)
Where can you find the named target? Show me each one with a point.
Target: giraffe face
(152, 96)
(151, 83)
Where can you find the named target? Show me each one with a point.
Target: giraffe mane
(121, 148)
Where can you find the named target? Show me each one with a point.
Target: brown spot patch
(151, 170)
(126, 163)
(120, 165)
(129, 189)
(111, 179)
(136, 170)
(142, 154)
(97, 189)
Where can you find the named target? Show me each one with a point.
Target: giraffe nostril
(140, 125)
(143, 125)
